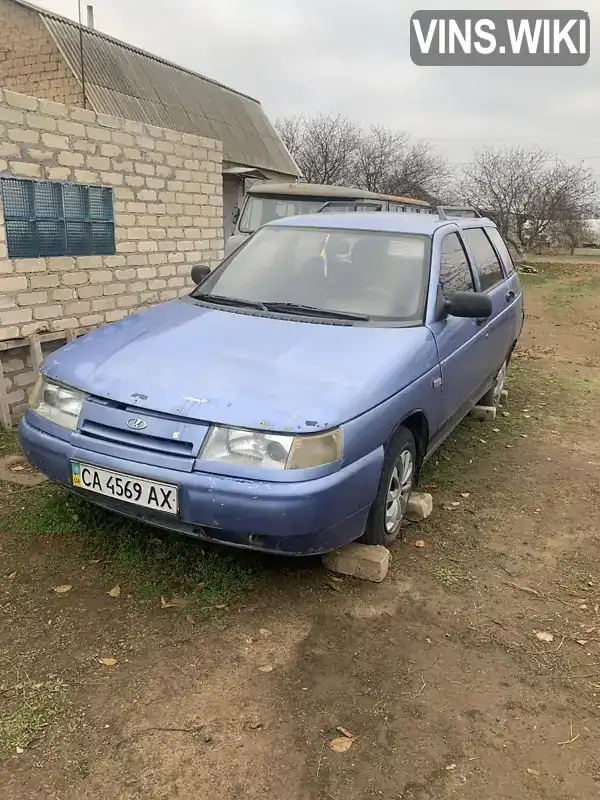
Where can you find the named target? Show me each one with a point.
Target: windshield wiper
(313, 311)
(221, 300)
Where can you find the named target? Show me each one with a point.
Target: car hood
(184, 359)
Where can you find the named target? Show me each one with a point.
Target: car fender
(372, 430)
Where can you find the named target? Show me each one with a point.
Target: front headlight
(258, 449)
(56, 403)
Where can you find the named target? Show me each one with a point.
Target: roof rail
(448, 212)
(368, 204)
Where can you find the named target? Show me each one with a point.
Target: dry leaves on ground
(108, 662)
(174, 602)
(341, 744)
(62, 589)
(115, 591)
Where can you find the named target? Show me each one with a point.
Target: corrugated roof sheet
(127, 82)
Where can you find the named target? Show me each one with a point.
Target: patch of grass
(535, 278)
(473, 441)
(567, 294)
(449, 576)
(9, 442)
(147, 560)
(29, 713)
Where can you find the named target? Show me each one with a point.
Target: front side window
(45, 219)
(455, 273)
(486, 261)
(381, 275)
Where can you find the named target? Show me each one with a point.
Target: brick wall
(30, 61)
(168, 203)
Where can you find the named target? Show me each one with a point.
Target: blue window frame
(45, 219)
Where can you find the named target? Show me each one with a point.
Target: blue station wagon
(287, 403)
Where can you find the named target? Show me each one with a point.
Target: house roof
(128, 82)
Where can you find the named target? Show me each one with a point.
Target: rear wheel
(397, 480)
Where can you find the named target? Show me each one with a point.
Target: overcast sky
(352, 56)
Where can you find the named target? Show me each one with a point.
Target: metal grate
(45, 219)
(21, 237)
(17, 198)
(47, 200)
(78, 235)
(100, 203)
(103, 238)
(75, 200)
(52, 238)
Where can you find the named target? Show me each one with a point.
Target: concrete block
(23, 169)
(55, 142)
(40, 122)
(485, 413)
(68, 159)
(21, 100)
(359, 560)
(420, 506)
(71, 128)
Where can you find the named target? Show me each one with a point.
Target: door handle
(510, 295)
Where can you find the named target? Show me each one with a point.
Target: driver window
(455, 273)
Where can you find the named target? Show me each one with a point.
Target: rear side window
(502, 249)
(486, 261)
(455, 273)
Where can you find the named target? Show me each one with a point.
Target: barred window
(45, 218)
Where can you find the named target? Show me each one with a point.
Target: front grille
(155, 444)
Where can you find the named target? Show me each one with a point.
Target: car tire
(397, 481)
(493, 396)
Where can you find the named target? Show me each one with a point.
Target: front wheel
(493, 397)
(397, 481)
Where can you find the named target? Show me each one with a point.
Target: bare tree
(572, 233)
(499, 183)
(420, 172)
(291, 130)
(565, 193)
(332, 149)
(323, 146)
(377, 158)
(527, 192)
(387, 161)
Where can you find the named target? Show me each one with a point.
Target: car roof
(380, 221)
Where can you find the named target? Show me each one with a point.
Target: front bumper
(293, 518)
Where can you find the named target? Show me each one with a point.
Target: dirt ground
(472, 672)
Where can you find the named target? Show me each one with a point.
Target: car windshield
(260, 210)
(358, 272)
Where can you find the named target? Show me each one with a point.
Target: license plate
(139, 491)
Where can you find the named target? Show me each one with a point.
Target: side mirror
(235, 215)
(199, 273)
(469, 304)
